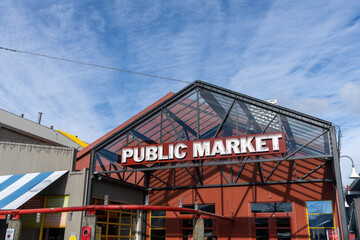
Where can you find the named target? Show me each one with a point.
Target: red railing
(92, 208)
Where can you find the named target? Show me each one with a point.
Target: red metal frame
(92, 208)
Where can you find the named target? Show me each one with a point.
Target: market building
(273, 171)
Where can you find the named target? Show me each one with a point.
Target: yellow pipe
(73, 138)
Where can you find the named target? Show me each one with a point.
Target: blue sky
(305, 54)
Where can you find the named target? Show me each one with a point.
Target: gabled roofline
(139, 115)
(269, 106)
(149, 113)
(197, 84)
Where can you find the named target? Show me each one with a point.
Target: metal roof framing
(200, 84)
(216, 114)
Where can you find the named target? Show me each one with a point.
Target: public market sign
(239, 146)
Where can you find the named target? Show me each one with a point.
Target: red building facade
(273, 171)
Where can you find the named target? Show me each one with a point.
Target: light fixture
(353, 174)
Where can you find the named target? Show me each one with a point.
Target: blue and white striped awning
(15, 190)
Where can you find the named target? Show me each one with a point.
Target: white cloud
(302, 54)
(350, 96)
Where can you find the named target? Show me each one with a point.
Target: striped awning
(17, 189)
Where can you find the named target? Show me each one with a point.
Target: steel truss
(229, 181)
(216, 116)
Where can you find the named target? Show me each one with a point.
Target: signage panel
(235, 146)
(10, 232)
(332, 234)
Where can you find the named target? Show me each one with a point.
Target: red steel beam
(92, 208)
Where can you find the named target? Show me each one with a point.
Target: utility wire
(93, 65)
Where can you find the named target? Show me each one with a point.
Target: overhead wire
(93, 65)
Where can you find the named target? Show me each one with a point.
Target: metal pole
(338, 182)
(90, 174)
(198, 113)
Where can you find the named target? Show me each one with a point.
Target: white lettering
(218, 148)
(275, 141)
(171, 151)
(201, 148)
(245, 143)
(138, 158)
(126, 153)
(161, 153)
(261, 144)
(151, 153)
(232, 145)
(178, 154)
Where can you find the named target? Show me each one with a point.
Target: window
(272, 219)
(49, 225)
(279, 226)
(158, 225)
(320, 218)
(271, 207)
(116, 224)
(188, 223)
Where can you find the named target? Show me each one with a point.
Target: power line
(93, 65)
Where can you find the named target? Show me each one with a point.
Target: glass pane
(187, 223)
(182, 116)
(126, 220)
(232, 124)
(103, 228)
(208, 235)
(211, 113)
(283, 234)
(149, 132)
(262, 118)
(125, 231)
(114, 217)
(321, 220)
(207, 208)
(158, 222)
(113, 230)
(158, 234)
(261, 222)
(318, 234)
(101, 216)
(270, 207)
(117, 144)
(283, 222)
(262, 234)
(207, 222)
(112, 238)
(319, 207)
(299, 133)
(158, 213)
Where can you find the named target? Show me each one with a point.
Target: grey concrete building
(28, 150)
